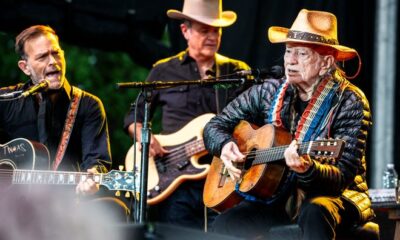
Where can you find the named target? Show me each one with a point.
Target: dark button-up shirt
(181, 104)
(89, 144)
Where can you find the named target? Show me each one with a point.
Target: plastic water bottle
(389, 178)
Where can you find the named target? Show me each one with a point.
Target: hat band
(310, 37)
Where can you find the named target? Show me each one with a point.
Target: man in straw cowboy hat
(202, 21)
(313, 101)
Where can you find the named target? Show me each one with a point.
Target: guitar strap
(316, 111)
(68, 126)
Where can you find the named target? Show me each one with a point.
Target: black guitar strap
(221, 93)
(41, 122)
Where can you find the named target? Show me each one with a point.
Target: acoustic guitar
(264, 171)
(20, 158)
(166, 173)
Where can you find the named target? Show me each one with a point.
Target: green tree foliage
(96, 72)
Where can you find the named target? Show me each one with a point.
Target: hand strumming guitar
(230, 154)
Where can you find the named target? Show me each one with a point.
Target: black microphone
(273, 72)
(36, 88)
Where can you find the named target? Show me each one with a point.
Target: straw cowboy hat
(313, 27)
(208, 12)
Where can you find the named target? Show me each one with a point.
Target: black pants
(318, 219)
(184, 207)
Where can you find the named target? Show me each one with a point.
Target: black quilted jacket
(351, 122)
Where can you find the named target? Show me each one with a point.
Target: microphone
(36, 88)
(11, 95)
(273, 72)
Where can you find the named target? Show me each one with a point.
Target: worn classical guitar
(166, 173)
(20, 158)
(263, 172)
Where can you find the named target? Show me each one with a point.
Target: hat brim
(227, 18)
(279, 35)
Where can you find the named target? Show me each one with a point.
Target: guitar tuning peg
(118, 193)
(121, 167)
(127, 194)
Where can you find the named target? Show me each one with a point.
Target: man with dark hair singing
(70, 122)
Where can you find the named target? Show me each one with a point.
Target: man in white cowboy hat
(202, 21)
(314, 101)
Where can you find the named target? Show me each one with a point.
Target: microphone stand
(145, 141)
(147, 88)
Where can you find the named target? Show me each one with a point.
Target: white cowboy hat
(313, 27)
(208, 12)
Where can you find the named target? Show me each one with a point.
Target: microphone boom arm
(204, 82)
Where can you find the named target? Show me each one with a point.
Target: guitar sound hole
(6, 171)
(249, 159)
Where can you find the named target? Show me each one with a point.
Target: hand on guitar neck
(88, 186)
(155, 148)
(296, 162)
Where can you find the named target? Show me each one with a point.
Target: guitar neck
(53, 178)
(113, 180)
(277, 153)
(194, 147)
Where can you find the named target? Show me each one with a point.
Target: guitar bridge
(225, 171)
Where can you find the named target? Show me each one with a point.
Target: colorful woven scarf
(316, 110)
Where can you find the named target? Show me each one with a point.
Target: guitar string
(176, 154)
(262, 152)
(48, 172)
(171, 159)
(21, 176)
(37, 175)
(179, 152)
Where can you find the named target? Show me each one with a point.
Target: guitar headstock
(121, 180)
(328, 150)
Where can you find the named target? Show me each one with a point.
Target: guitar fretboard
(277, 153)
(324, 150)
(51, 177)
(194, 147)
